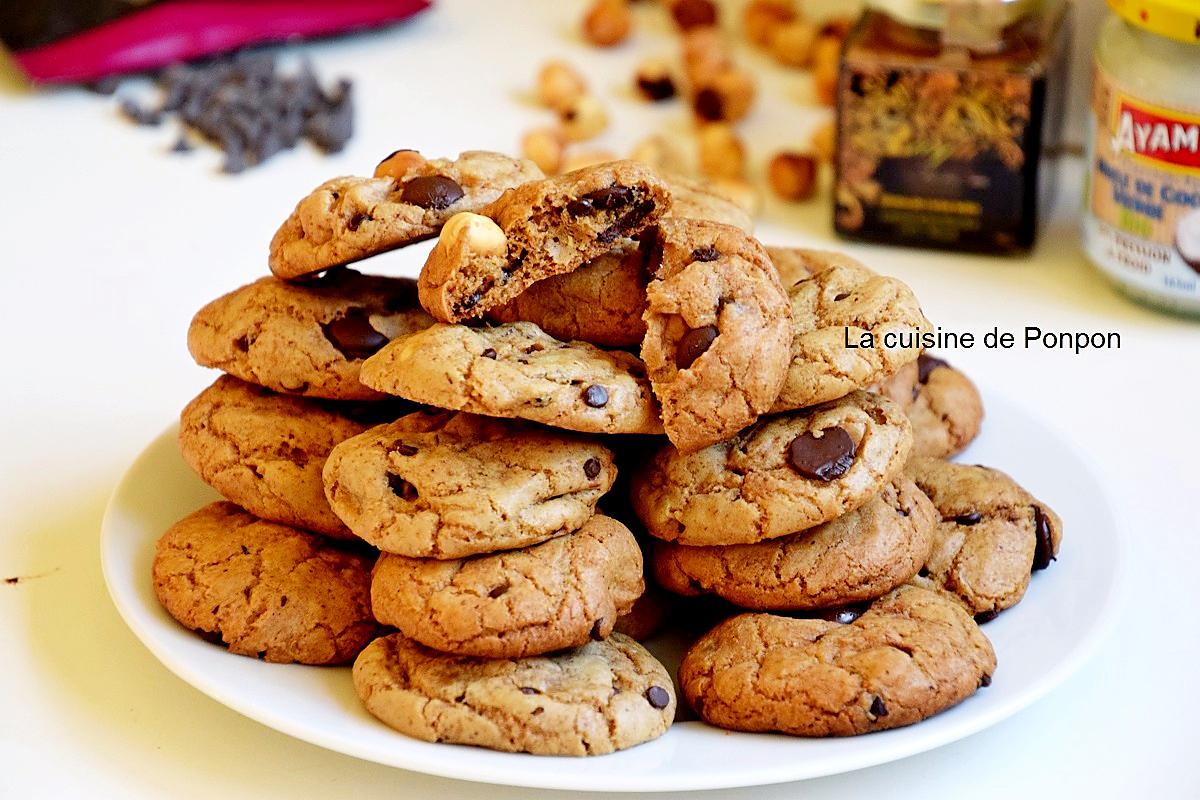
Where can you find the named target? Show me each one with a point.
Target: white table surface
(108, 245)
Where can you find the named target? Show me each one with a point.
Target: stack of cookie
(426, 460)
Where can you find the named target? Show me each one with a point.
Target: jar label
(1142, 224)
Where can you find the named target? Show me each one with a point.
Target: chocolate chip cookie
(308, 339)
(535, 231)
(946, 411)
(842, 301)
(516, 370)
(912, 654)
(992, 534)
(409, 199)
(445, 485)
(782, 475)
(264, 589)
(858, 556)
(561, 593)
(604, 696)
(718, 330)
(692, 199)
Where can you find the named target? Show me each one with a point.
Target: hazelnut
(399, 164)
(722, 154)
(740, 193)
(827, 52)
(654, 81)
(544, 147)
(473, 233)
(704, 54)
(792, 43)
(793, 176)
(725, 97)
(760, 18)
(559, 84)
(660, 154)
(587, 158)
(583, 118)
(824, 140)
(690, 14)
(607, 22)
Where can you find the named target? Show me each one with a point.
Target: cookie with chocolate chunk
(516, 370)
(595, 699)
(991, 536)
(446, 485)
(784, 474)
(718, 330)
(409, 199)
(912, 654)
(561, 593)
(858, 556)
(307, 339)
(264, 589)
(946, 411)
(535, 231)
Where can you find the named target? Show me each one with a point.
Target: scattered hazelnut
(793, 176)
(740, 193)
(544, 147)
(792, 43)
(587, 158)
(721, 152)
(607, 22)
(704, 54)
(559, 84)
(661, 154)
(399, 164)
(690, 14)
(725, 96)
(761, 17)
(827, 52)
(583, 118)
(824, 140)
(654, 81)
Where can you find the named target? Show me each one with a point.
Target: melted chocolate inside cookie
(401, 488)
(1043, 552)
(927, 364)
(823, 458)
(694, 344)
(352, 335)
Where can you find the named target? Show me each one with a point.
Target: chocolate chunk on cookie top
(557, 594)
(604, 696)
(535, 231)
(912, 654)
(308, 339)
(782, 475)
(445, 485)
(516, 370)
(992, 534)
(719, 330)
(264, 589)
(409, 199)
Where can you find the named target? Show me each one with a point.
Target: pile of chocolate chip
(246, 106)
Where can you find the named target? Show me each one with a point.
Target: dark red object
(182, 30)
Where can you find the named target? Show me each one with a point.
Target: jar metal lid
(1178, 19)
(935, 14)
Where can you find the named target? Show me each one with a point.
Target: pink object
(182, 30)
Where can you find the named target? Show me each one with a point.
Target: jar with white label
(1141, 222)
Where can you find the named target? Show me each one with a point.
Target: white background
(108, 245)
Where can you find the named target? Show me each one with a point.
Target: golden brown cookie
(264, 589)
(595, 699)
(912, 654)
(946, 411)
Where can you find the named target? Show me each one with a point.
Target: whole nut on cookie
(559, 84)
(399, 164)
(474, 232)
(583, 118)
(607, 22)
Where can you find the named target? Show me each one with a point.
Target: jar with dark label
(944, 108)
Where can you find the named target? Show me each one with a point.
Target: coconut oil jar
(1141, 220)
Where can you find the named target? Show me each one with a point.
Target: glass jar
(1141, 222)
(943, 110)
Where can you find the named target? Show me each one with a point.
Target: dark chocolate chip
(824, 458)
(597, 627)
(401, 488)
(694, 344)
(694, 14)
(357, 220)
(986, 616)
(878, 709)
(985, 680)
(489, 353)
(1043, 552)
(656, 89)
(591, 468)
(709, 105)
(658, 697)
(529, 690)
(969, 519)
(923, 572)
(405, 449)
(595, 396)
(499, 591)
(927, 364)
(353, 336)
(432, 191)
(840, 296)
(706, 253)
(606, 199)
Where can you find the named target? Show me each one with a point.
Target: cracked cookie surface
(782, 475)
(308, 339)
(595, 699)
(839, 301)
(858, 556)
(542, 228)
(991, 535)
(561, 593)
(409, 199)
(718, 330)
(517, 370)
(946, 411)
(446, 485)
(264, 589)
(912, 654)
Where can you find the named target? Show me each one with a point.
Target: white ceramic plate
(1038, 644)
